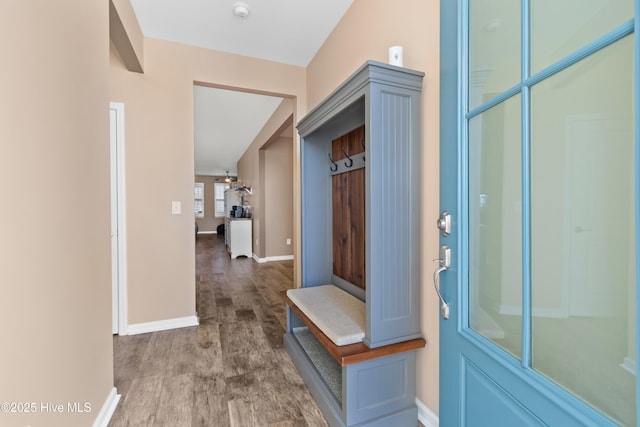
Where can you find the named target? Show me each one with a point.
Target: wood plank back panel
(348, 198)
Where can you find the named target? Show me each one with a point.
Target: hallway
(231, 370)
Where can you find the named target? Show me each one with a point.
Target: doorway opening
(250, 134)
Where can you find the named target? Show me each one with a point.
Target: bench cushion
(338, 314)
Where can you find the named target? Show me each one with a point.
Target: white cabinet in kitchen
(237, 236)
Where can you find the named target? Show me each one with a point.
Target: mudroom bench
(356, 384)
(353, 325)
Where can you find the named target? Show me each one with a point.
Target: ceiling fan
(228, 179)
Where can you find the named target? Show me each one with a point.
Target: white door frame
(118, 224)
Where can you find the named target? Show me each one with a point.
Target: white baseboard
(549, 313)
(107, 410)
(426, 416)
(207, 232)
(272, 258)
(163, 325)
(629, 365)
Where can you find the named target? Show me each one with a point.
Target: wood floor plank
(242, 385)
(287, 423)
(241, 412)
(209, 362)
(181, 357)
(209, 402)
(139, 405)
(129, 358)
(287, 367)
(157, 353)
(298, 406)
(269, 409)
(175, 401)
(231, 369)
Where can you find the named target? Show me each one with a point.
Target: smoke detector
(240, 9)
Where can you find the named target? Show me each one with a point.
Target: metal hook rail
(347, 156)
(333, 168)
(350, 163)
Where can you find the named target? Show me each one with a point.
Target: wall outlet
(257, 242)
(176, 208)
(288, 242)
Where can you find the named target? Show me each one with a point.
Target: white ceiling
(287, 31)
(225, 123)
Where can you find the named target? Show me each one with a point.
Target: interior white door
(598, 142)
(118, 237)
(114, 220)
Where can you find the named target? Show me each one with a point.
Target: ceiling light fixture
(240, 9)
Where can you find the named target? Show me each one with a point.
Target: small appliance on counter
(232, 199)
(237, 212)
(235, 206)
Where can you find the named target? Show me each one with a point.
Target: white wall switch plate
(176, 208)
(288, 241)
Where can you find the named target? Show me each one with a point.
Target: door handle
(444, 262)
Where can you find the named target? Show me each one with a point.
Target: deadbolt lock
(444, 223)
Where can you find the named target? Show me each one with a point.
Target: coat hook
(347, 156)
(335, 165)
(363, 149)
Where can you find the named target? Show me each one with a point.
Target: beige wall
(367, 30)
(252, 169)
(126, 35)
(209, 223)
(159, 162)
(278, 204)
(55, 273)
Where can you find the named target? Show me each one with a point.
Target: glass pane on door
(494, 48)
(495, 228)
(582, 230)
(559, 28)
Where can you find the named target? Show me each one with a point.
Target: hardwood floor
(231, 370)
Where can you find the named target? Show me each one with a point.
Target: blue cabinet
(386, 100)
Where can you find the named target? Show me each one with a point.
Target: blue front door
(539, 173)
